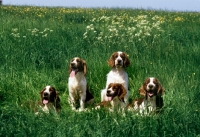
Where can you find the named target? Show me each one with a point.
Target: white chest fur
(117, 76)
(77, 82)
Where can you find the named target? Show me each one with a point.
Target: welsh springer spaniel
(118, 61)
(152, 91)
(77, 84)
(115, 94)
(50, 99)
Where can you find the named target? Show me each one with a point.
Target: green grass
(37, 43)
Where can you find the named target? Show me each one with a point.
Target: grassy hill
(37, 43)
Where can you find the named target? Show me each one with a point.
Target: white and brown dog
(118, 61)
(49, 99)
(115, 97)
(152, 91)
(77, 84)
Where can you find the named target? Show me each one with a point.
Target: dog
(50, 101)
(77, 84)
(118, 61)
(152, 101)
(115, 97)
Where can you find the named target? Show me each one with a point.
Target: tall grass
(37, 43)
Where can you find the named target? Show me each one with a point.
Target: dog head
(77, 65)
(115, 90)
(49, 95)
(119, 60)
(151, 87)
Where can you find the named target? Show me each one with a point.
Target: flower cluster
(34, 32)
(124, 28)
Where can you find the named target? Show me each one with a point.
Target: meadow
(37, 44)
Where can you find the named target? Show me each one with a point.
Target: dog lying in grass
(50, 101)
(115, 94)
(152, 101)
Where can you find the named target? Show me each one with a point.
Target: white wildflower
(147, 33)
(15, 29)
(45, 35)
(46, 29)
(98, 38)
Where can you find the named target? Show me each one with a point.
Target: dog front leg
(72, 102)
(82, 101)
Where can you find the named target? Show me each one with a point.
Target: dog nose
(108, 91)
(119, 61)
(72, 64)
(45, 94)
(150, 86)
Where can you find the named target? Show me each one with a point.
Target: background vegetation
(37, 43)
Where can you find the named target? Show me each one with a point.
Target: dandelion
(179, 19)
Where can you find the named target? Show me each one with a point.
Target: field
(37, 43)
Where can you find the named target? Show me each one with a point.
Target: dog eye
(114, 88)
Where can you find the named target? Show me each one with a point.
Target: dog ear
(41, 92)
(111, 61)
(58, 106)
(126, 61)
(161, 90)
(84, 67)
(142, 91)
(57, 97)
(69, 68)
(121, 92)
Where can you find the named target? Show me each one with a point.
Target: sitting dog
(114, 98)
(118, 62)
(77, 84)
(152, 91)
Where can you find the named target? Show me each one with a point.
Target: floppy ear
(142, 91)
(69, 69)
(57, 103)
(121, 92)
(57, 97)
(111, 61)
(41, 92)
(160, 90)
(126, 61)
(84, 67)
